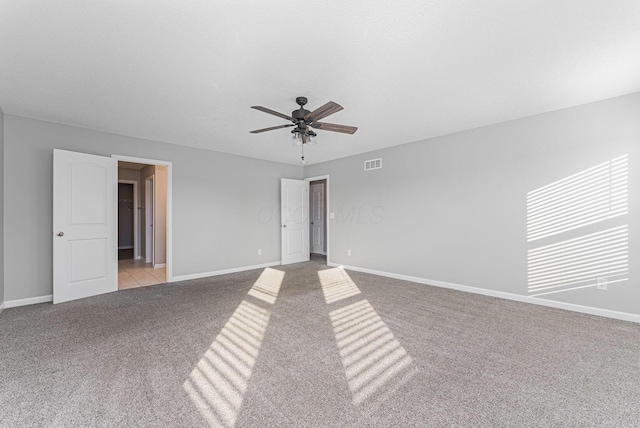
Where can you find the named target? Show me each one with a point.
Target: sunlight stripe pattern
(588, 197)
(577, 263)
(374, 361)
(219, 381)
(337, 285)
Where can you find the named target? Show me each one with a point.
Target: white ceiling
(186, 72)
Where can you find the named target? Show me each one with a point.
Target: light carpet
(311, 346)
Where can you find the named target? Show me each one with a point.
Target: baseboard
(29, 301)
(125, 247)
(625, 316)
(222, 272)
(159, 265)
(1, 307)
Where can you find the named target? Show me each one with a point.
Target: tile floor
(137, 273)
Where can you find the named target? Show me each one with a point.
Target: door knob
(60, 233)
(284, 225)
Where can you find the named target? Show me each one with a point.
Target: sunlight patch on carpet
(376, 365)
(219, 381)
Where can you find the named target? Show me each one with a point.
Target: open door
(294, 199)
(85, 225)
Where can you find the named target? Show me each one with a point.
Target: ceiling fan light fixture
(296, 138)
(303, 120)
(311, 138)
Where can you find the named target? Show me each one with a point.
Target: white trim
(159, 265)
(169, 217)
(327, 208)
(126, 247)
(1, 307)
(29, 301)
(223, 271)
(625, 316)
(136, 215)
(141, 160)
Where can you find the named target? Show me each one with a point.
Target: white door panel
(85, 259)
(88, 202)
(88, 259)
(294, 222)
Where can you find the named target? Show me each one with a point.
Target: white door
(294, 198)
(317, 218)
(85, 225)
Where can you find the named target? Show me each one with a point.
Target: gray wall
(219, 202)
(454, 208)
(1, 207)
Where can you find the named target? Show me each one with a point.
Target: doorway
(318, 215)
(85, 221)
(146, 262)
(127, 219)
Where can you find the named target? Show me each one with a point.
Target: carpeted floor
(308, 345)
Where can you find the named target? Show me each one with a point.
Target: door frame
(149, 218)
(323, 185)
(169, 229)
(136, 215)
(327, 210)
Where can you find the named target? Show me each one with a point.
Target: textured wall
(454, 208)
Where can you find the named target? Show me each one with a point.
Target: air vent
(373, 164)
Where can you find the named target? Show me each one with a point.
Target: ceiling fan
(304, 120)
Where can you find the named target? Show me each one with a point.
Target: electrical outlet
(601, 283)
(259, 251)
(348, 252)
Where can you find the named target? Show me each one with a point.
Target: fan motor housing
(299, 114)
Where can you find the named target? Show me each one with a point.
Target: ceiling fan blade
(335, 128)
(257, 131)
(275, 113)
(324, 111)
